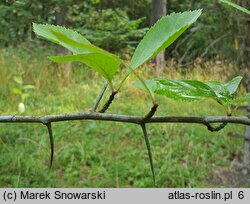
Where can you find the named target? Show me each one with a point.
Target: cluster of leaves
(100, 60)
(160, 36)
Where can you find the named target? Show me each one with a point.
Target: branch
(123, 118)
(140, 120)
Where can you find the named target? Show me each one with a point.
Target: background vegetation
(102, 154)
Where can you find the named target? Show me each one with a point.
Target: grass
(105, 154)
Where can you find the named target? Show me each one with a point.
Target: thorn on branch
(51, 143)
(108, 103)
(145, 134)
(217, 128)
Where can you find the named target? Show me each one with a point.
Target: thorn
(99, 98)
(51, 143)
(145, 134)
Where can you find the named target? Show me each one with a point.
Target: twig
(99, 98)
(108, 103)
(123, 118)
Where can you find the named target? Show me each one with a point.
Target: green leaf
(60, 35)
(151, 85)
(225, 91)
(229, 3)
(192, 90)
(104, 64)
(186, 90)
(161, 35)
(100, 60)
(233, 85)
(219, 89)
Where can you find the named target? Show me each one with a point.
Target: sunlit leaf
(233, 85)
(54, 33)
(225, 91)
(100, 60)
(161, 35)
(186, 90)
(219, 89)
(193, 90)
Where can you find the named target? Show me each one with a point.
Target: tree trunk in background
(64, 69)
(246, 159)
(159, 9)
(246, 4)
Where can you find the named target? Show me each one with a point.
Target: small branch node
(108, 103)
(150, 114)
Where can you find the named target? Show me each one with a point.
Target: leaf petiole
(151, 94)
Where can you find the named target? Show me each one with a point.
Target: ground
(234, 176)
